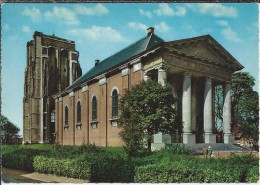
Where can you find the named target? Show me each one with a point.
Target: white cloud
(98, 10)
(62, 15)
(33, 13)
(229, 34)
(98, 33)
(214, 9)
(6, 27)
(26, 29)
(137, 26)
(162, 27)
(222, 23)
(145, 13)
(181, 11)
(164, 10)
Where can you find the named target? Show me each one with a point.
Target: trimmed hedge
(177, 169)
(62, 167)
(178, 173)
(20, 158)
(253, 174)
(90, 166)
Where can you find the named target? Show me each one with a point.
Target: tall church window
(53, 116)
(94, 108)
(66, 116)
(79, 112)
(114, 103)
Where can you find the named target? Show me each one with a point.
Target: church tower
(52, 65)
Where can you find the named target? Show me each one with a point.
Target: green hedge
(62, 167)
(177, 173)
(253, 174)
(90, 166)
(20, 158)
(172, 169)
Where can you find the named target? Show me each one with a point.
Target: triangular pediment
(206, 49)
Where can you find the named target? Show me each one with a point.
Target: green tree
(9, 131)
(145, 110)
(245, 105)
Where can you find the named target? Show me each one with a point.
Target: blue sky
(100, 30)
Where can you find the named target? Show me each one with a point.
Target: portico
(193, 75)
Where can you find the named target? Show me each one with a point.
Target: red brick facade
(106, 133)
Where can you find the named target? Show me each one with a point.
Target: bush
(253, 174)
(20, 159)
(179, 173)
(94, 167)
(165, 168)
(62, 167)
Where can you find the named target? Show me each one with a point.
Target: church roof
(119, 58)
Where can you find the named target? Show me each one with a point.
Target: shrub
(20, 158)
(253, 174)
(62, 167)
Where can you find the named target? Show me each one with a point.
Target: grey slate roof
(118, 58)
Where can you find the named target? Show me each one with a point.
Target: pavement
(20, 176)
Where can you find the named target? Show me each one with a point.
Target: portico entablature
(197, 68)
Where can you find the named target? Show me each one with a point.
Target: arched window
(53, 116)
(94, 108)
(66, 115)
(79, 112)
(114, 103)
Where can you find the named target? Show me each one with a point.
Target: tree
(244, 105)
(145, 110)
(9, 131)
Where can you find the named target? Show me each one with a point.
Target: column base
(188, 138)
(162, 138)
(210, 138)
(158, 146)
(229, 139)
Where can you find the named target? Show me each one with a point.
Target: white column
(188, 137)
(209, 137)
(228, 138)
(162, 76)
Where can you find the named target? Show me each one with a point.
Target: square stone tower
(52, 65)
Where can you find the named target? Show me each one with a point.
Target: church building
(87, 110)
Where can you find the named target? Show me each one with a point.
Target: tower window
(94, 108)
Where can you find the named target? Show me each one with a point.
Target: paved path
(19, 176)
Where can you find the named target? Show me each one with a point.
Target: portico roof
(204, 48)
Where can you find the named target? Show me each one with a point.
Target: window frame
(114, 109)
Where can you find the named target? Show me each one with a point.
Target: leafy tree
(145, 110)
(244, 105)
(9, 131)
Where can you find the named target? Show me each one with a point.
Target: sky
(100, 30)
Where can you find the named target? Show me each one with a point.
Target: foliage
(244, 106)
(62, 167)
(94, 167)
(145, 110)
(19, 158)
(172, 169)
(9, 131)
(253, 174)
